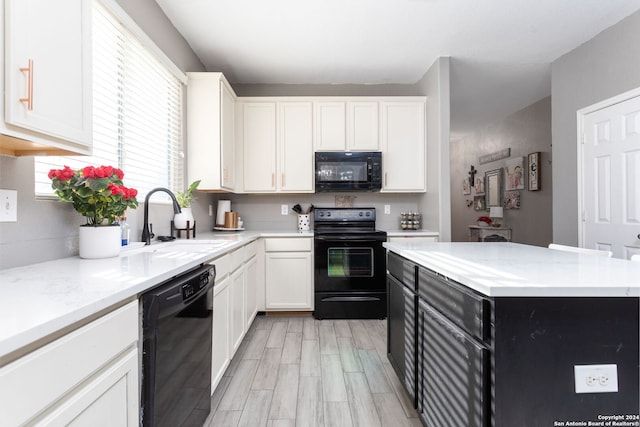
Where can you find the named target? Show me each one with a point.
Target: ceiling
(500, 50)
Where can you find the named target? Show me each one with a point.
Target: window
(137, 113)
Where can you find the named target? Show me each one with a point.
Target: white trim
(580, 115)
(119, 13)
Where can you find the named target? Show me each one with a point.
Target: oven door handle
(348, 239)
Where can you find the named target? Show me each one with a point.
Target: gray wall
(48, 229)
(435, 204)
(525, 131)
(605, 66)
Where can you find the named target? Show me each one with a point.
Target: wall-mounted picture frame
(511, 200)
(514, 174)
(533, 168)
(479, 186)
(493, 187)
(479, 203)
(466, 187)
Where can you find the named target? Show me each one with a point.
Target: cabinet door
(227, 135)
(112, 395)
(251, 289)
(48, 68)
(259, 140)
(401, 333)
(403, 146)
(453, 375)
(288, 281)
(362, 126)
(330, 126)
(221, 331)
(236, 321)
(295, 145)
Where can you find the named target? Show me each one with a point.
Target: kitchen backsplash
(262, 212)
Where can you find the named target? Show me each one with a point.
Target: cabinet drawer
(403, 270)
(236, 259)
(460, 305)
(288, 245)
(251, 250)
(223, 266)
(34, 382)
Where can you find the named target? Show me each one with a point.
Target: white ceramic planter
(99, 242)
(180, 220)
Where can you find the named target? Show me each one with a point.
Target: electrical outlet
(8, 206)
(596, 378)
(210, 210)
(284, 210)
(387, 209)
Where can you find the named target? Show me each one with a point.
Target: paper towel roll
(223, 206)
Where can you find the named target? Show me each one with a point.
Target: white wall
(605, 66)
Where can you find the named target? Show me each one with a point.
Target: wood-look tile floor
(298, 371)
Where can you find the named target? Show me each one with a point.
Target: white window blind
(137, 114)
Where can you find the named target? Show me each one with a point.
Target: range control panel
(344, 214)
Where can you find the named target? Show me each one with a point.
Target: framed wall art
(493, 187)
(534, 171)
(511, 200)
(466, 186)
(514, 174)
(479, 203)
(479, 186)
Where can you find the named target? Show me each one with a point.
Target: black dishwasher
(402, 318)
(176, 350)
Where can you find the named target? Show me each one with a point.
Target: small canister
(303, 222)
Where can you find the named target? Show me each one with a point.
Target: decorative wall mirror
(493, 187)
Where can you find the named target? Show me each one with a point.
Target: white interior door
(611, 177)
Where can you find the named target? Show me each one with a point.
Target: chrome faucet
(146, 235)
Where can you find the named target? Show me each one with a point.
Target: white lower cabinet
(221, 355)
(236, 323)
(91, 376)
(234, 305)
(251, 289)
(288, 274)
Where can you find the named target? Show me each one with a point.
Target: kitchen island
(504, 334)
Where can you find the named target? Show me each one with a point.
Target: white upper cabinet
(48, 90)
(211, 131)
(346, 125)
(259, 146)
(330, 126)
(295, 145)
(277, 147)
(404, 145)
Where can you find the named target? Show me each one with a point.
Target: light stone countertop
(515, 270)
(412, 233)
(41, 299)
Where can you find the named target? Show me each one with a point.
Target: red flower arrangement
(97, 193)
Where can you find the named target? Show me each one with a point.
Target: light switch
(8, 206)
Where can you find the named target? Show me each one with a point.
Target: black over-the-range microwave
(348, 171)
